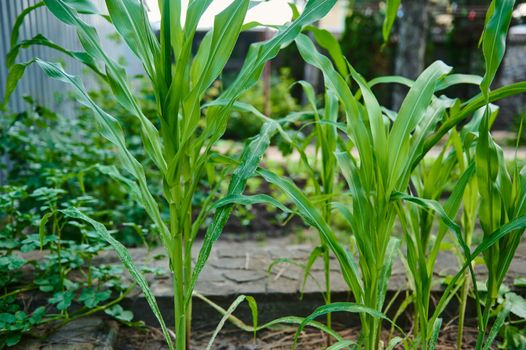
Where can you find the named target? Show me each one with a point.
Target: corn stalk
(179, 138)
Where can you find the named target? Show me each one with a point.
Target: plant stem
(178, 280)
(56, 231)
(465, 289)
(462, 312)
(188, 271)
(327, 268)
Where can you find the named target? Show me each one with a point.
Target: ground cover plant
(48, 171)
(180, 140)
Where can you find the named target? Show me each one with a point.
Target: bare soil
(279, 339)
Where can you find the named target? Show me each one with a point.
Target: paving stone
(241, 268)
(242, 276)
(89, 333)
(230, 263)
(291, 253)
(218, 288)
(210, 273)
(282, 286)
(287, 271)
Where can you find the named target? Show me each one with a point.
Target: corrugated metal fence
(44, 90)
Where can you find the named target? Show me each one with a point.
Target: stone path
(243, 268)
(235, 268)
(89, 333)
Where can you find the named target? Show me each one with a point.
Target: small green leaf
(62, 299)
(91, 298)
(13, 338)
(516, 304)
(119, 313)
(42, 228)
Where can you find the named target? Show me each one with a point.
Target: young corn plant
(375, 179)
(378, 158)
(464, 144)
(423, 244)
(321, 172)
(179, 137)
(502, 195)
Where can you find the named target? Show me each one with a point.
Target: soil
(259, 222)
(281, 339)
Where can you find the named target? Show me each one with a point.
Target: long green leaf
(276, 322)
(412, 109)
(127, 261)
(342, 344)
(514, 225)
(116, 76)
(327, 41)
(314, 218)
(497, 325)
(131, 21)
(436, 332)
(260, 53)
(228, 313)
(249, 200)
(385, 274)
(494, 40)
(110, 129)
(337, 307)
(249, 162)
(390, 16)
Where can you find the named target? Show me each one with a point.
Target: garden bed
(101, 333)
(237, 268)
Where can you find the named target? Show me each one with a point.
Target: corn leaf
(127, 261)
(390, 16)
(412, 109)
(337, 307)
(110, 129)
(494, 40)
(271, 324)
(312, 216)
(436, 332)
(343, 344)
(253, 307)
(249, 162)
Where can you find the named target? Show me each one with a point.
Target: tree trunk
(414, 28)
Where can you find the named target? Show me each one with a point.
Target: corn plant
(500, 212)
(503, 195)
(387, 147)
(321, 171)
(422, 243)
(179, 137)
(372, 180)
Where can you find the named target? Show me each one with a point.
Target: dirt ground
(279, 339)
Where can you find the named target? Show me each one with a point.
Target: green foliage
(390, 16)
(361, 43)
(244, 124)
(363, 165)
(179, 140)
(381, 154)
(64, 275)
